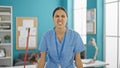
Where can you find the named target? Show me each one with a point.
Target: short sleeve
(43, 45)
(79, 45)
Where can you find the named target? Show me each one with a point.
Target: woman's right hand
(42, 60)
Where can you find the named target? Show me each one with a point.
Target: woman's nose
(60, 18)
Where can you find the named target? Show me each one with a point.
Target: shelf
(5, 22)
(5, 26)
(5, 30)
(5, 44)
(5, 57)
(5, 13)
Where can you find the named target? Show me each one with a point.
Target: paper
(20, 28)
(90, 27)
(86, 61)
(91, 21)
(32, 41)
(91, 15)
(28, 23)
(22, 41)
(33, 31)
(23, 31)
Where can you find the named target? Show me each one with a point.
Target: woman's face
(60, 19)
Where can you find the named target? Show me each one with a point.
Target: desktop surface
(85, 62)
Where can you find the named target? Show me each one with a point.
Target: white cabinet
(5, 36)
(112, 33)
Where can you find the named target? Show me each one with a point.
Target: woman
(61, 44)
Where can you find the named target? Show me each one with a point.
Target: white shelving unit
(6, 29)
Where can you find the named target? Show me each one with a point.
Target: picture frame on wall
(91, 21)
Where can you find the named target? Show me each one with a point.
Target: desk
(27, 66)
(96, 63)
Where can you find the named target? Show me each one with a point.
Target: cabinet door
(111, 52)
(111, 19)
(111, 34)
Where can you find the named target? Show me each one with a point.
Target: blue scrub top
(66, 49)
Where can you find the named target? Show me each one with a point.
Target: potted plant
(7, 38)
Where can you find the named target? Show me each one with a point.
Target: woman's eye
(57, 16)
(63, 16)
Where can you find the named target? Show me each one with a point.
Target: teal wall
(90, 50)
(100, 28)
(42, 9)
(98, 4)
(68, 5)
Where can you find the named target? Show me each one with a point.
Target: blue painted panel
(42, 9)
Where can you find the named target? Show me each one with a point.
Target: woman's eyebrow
(56, 15)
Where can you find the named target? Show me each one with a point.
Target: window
(80, 18)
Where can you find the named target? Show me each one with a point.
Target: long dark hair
(58, 8)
